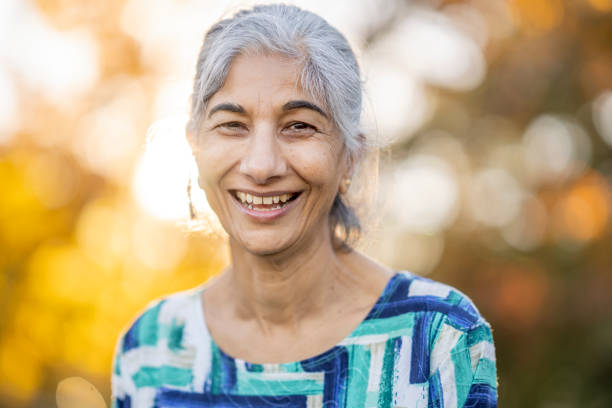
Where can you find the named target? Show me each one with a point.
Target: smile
(264, 203)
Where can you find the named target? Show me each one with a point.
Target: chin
(263, 244)
(261, 250)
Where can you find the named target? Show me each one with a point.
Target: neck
(282, 290)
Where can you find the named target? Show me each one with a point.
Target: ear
(352, 160)
(355, 157)
(190, 134)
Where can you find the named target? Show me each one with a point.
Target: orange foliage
(601, 5)
(521, 296)
(584, 210)
(538, 16)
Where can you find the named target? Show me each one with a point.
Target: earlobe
(344, 185)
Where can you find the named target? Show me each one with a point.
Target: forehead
(263, 78)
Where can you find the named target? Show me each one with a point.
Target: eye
(299, 129)
(232, 128)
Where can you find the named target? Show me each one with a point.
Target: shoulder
(161, 323)
(447, 315)
(410, 293)
(158, 348)
(448, 340)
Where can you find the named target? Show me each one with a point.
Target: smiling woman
(299, 318)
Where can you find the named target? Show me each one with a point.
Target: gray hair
(330, 74)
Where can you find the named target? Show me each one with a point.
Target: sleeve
(483, 385)
(121, 396)
(464, 368)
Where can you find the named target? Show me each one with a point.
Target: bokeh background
(495, 115)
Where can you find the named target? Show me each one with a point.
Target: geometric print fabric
(423, 344)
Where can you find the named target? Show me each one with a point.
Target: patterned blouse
(423, 344)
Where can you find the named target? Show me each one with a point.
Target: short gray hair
(330, 73)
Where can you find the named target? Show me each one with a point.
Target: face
(270, 159)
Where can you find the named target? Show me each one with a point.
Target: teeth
(249, 199)
(269, 209)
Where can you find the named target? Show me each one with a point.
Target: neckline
(385, 294)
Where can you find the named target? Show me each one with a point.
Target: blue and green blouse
(423, 344)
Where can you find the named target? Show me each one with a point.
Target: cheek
(205, 171)
(212, 160)
(319, 167)
(210, 172)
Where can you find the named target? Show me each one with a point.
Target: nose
(263, 160)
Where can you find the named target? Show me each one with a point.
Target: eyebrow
(291, 105)
(228, 107)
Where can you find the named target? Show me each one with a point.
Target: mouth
(264, 203)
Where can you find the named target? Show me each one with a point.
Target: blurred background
(496, 116)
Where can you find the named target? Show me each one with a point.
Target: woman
(298, 319)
